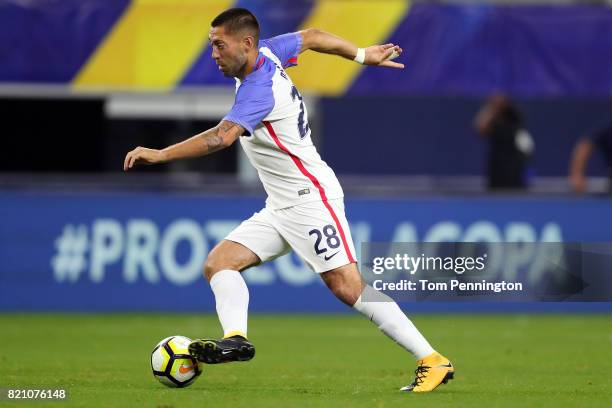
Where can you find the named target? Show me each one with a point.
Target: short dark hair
(237, 19)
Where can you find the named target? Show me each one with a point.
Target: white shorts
(317, 231)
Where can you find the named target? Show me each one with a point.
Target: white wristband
(360, 57)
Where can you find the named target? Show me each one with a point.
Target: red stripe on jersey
(316, 183)
(292, 60)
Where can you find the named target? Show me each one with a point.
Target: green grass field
(313, 361)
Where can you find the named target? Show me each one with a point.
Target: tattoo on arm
(215, 139)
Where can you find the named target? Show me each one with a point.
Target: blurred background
(497, 130)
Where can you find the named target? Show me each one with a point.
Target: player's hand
(381, 55)
(142, 155)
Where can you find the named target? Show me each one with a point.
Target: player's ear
(249, 41)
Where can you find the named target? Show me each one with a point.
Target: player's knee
(216, 262)
(345, 293)
(212, 265)
(345, 284)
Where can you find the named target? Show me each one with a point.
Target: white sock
(232, 297)
(390, 319)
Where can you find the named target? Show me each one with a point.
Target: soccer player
(304, 210)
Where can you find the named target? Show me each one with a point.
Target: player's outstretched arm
(321, 41)
(212, 140)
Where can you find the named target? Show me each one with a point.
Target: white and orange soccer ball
(172, 364)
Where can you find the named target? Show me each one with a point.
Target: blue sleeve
(286, 47)
(253, 103)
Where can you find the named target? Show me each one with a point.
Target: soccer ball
(172, 364)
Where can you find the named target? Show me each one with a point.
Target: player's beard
(236, 69)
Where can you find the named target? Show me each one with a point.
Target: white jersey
(278, 142)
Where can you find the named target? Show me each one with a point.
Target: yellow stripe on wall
(363, 22)
(152, 45)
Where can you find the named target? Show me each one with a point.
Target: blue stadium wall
(144, 251)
